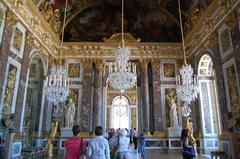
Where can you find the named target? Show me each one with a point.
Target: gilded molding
(231, 20)
(87, 63)
(11, 19)
(29, 39)
(27, 12)
(213, 39)
(144, 63)
(155, 64)
(214, 15)
(99, 63)
(106, 50)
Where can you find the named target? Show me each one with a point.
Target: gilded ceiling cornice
(214, 15)
(106, 50)
(27, 12)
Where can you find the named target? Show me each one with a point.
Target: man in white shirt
(135, 138)
(98, 147)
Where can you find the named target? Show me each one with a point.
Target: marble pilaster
(85, 109)
(98, 95)
(158, 120)
(145, 94)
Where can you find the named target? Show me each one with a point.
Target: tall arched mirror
(208, 102)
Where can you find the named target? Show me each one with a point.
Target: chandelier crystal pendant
(122, 73)
(187, 81)
(57, 83)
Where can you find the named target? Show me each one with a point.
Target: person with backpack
(74, 146)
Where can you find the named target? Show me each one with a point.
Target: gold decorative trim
(87, 63)
(11, 19)
(106, 50)
(159, 134)
(27, 12)
(117, 38)
(214, 15)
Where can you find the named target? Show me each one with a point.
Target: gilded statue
(171, 97)
(47, 11)
(51, 16)
(193, 17)
(9, 90)
(232, 84)
(17, 41)
(26, 131)
(190, 133)
(54, 21)
(54, 126)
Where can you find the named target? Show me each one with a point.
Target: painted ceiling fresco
(149, 20)
(149, 23)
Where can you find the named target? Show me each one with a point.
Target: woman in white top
(98, 147)
(123, 144)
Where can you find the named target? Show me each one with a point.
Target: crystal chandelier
(122, 74)
(57, 83)
(186, 82)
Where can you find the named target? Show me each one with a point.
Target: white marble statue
(70, 114)
(173, 115)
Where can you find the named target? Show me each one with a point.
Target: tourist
(11, 123)
(98, 147)
(74, 146)
(123, 144)
(142, 143)
(131, 136)
(188, 151)
(135, 138)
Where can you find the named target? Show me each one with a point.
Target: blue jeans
(122, 155)
(142, 150)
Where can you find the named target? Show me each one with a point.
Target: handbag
(189, 152)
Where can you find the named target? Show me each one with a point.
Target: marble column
(139, 105)
(104, 106)
(85, 109)
(158, 120)
(98, 95)
(144, 94)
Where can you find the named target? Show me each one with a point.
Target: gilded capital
(87, 63)
(144, 63)
(213, 39)
(99, 63)
(30, 39)
(155, 63)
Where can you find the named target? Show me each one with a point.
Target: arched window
(208, 98)
(120, 112)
